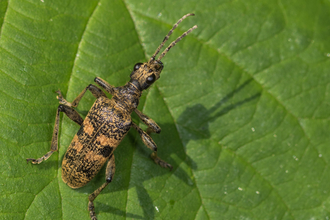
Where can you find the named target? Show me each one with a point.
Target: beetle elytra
(107, 123)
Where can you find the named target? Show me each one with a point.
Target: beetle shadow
(196, 120)
(201, 127)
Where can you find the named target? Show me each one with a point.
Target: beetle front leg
(109, 173)
(147, 140)
(97, 92)
(105, 85)
(73, 115)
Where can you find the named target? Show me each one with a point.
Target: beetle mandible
(107, 123)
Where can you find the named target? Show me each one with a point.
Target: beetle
(107, 123)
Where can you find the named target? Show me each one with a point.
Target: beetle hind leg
(109, 173)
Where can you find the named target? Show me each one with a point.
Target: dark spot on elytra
(105, 151)
(70, 154)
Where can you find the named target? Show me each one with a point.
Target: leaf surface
(243, 103)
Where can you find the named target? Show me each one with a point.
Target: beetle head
(145, 74)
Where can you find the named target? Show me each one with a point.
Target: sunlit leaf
(243, 103)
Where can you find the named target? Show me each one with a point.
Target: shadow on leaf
(201, 126)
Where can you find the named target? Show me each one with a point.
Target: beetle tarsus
(39, 160)
(62, 100)
(160, 162)
(91, 210)
(32, 160)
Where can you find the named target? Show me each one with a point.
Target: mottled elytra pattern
(107, 123)
(101, 132)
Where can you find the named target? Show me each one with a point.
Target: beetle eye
(158, 67)
(137, 66)
(151, 79)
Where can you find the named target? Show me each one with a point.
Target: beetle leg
(97, 92)
(109, 173)
(147, 140)
(152, 125)
(105, 85)
(73, 115)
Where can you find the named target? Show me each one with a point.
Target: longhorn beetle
(107, 123)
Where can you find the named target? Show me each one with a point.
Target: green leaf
(243, 103)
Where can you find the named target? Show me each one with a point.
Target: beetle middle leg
(109, 173)
(152, 125)
(147, 140)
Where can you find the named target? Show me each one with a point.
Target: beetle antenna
(152, 58)
(175, 42)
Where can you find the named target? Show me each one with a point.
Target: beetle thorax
(127, 97)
